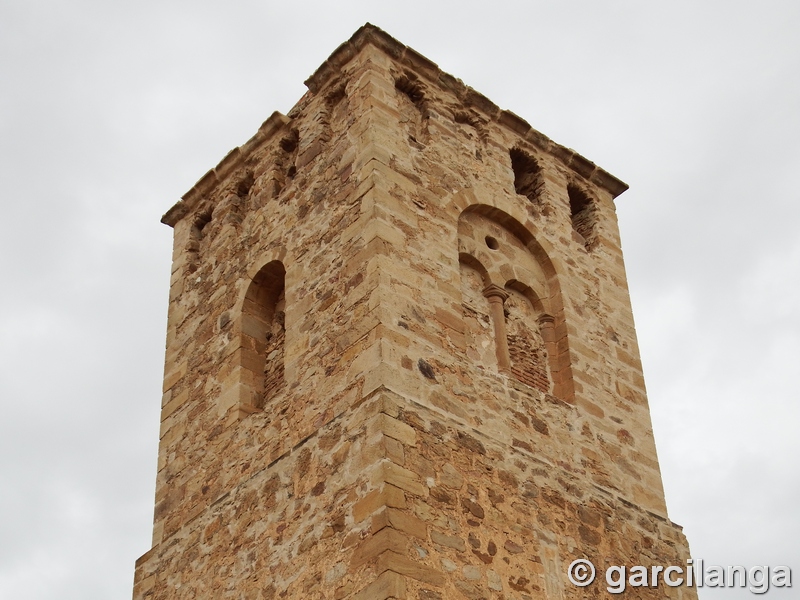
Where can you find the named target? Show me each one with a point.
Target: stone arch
(583, 214)
(528, 176)
(481, 347)
(528, 292)
(528, 329)
(263, 335)
(198, 232)
(413, 108)
(534, 346)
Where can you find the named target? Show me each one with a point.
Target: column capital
(495, 291)
(545, 319)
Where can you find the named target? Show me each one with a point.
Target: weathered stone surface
(401, 360)
(450, 541)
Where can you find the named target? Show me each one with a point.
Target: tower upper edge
(421, 66)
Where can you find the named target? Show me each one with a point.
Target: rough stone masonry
(401, 360)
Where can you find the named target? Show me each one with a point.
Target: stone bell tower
(401, 360)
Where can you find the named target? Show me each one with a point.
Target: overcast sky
(110, 111)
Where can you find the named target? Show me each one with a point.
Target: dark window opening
(584, 216)
(528, 180)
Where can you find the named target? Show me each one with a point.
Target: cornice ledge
(232, 160)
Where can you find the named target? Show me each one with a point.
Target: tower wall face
(401, 360)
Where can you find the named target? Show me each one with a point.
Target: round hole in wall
(492, 243)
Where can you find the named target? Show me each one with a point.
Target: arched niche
(477, 318)
(519, 295)
(263, 334)
(527, 331)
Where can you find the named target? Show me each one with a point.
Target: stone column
(548, 330)
(497, 296)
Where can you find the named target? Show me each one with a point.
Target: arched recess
(522, 298)
(527, 332)
(583, 211)
(197, 233)
(413, 108)
(263, 334)
(481, 348)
